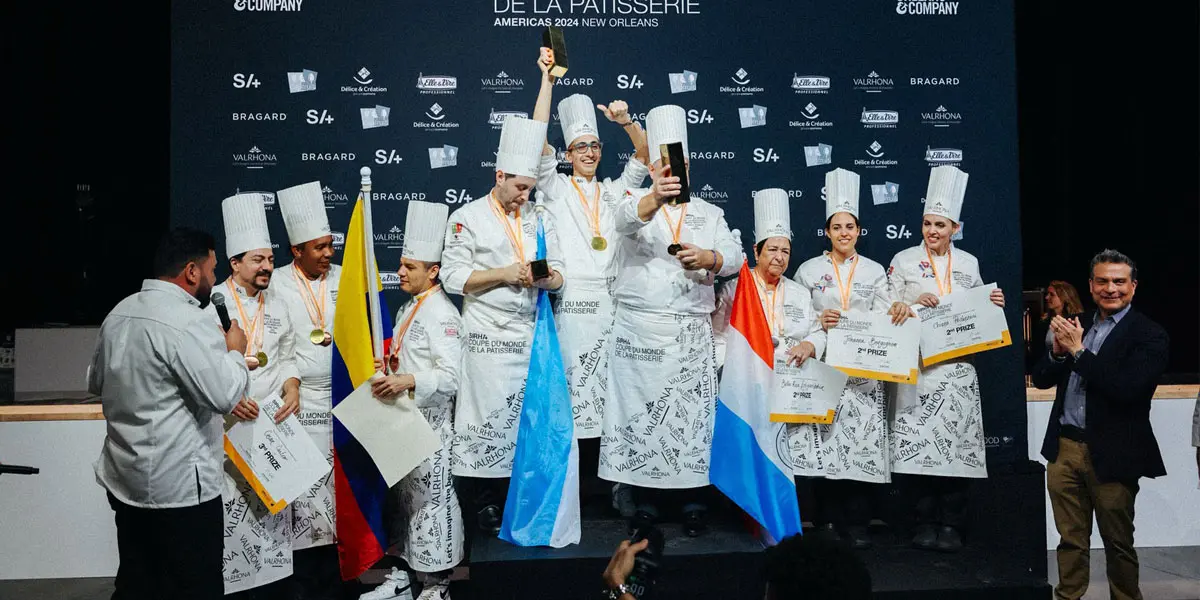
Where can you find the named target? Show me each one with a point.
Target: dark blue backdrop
(231, 95)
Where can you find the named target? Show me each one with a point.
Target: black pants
(843, 502)
(169, 552)
(315, 575)
(941, 500)
(654, 501)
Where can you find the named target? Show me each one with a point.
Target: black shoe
(641, 518)
(926, 538)
(489, 519)
(948, 540)
(827, 533)
(622, 500)
(858, 537)
(695, 523)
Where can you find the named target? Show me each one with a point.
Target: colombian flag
(745, 465)
(359, 489)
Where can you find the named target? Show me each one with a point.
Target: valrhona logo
(267, 5)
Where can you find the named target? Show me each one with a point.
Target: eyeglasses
(582, 147)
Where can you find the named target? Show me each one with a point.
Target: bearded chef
(489, 246)
(423, 368)
(308, 286)
(583, 206)
(846, 456)
(937, 425)
(258, 545)
(657, 432)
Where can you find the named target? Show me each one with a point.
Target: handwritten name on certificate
(868, 345)
(279, 461)
(806, 394)
(962, 323)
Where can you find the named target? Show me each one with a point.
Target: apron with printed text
(937, 428)
(495, 364)
(584, 316)
(658, 423)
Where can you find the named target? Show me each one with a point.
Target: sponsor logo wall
(420, 98)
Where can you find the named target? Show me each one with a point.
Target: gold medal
(251, 363)
(262, 358)
(599, 243)
(317, 336)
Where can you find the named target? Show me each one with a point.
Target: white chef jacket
(314, 362)
(868, 289)
(575, 221)
(477, 241)
(648, 278)
(431, 350)
(164, 378)
(278, 339)
(794, 317)
(910, 274)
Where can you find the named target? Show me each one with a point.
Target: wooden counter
(1163, 391)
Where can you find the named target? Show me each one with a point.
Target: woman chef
(937, 424)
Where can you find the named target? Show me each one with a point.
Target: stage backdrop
(267, 94)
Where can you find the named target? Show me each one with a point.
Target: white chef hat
(772, 218)
(245, 224)
(841, 192)
(666, 124)
(425, 231)
(303, 208)
(577, 115)
(521, 142)
(947, 188)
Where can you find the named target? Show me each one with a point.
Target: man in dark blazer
(1099, 441)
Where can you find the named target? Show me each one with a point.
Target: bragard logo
(327, 156)
(267, 5)
(241, 116)
(941, 117)
(933, 81)
(873, 83)
(436, 84)
(502, 84)
(810, 84)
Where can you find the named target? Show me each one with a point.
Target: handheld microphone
(218, 301)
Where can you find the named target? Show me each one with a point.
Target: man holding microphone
(166, 375)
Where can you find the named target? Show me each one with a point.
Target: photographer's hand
(621, 566)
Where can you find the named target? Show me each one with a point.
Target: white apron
(658, 422)
(937, 425)
(855, 446)
(258, 545)
(313, 522)
(427, 527)
(495, 364)
(584, 317)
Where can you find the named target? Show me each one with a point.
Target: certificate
(279, 461)
(868, 345)
(805, 394)
(962, 323)
(393, 432)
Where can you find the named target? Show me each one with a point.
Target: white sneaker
(395, 586)
(436, 590)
